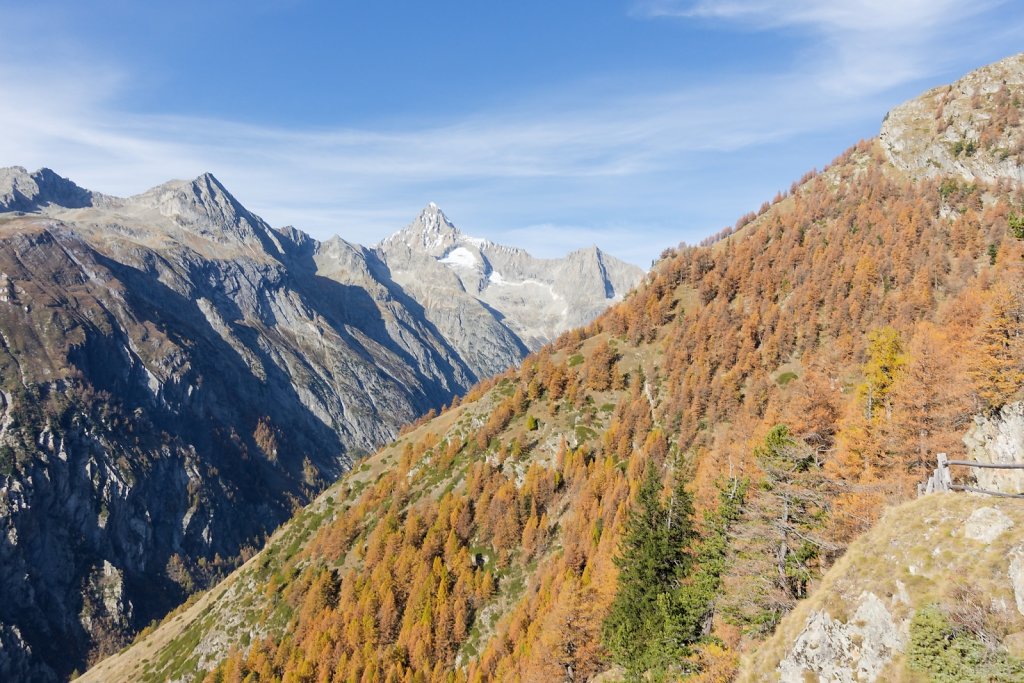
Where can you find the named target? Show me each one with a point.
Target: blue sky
(632, 124)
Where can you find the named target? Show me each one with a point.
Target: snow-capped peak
(431, 232)
(432, 219)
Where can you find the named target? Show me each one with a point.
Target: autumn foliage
(824, 351)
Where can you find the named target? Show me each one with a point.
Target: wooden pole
(945, 480)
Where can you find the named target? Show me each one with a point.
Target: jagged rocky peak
(204, 206)
(971, 128)
(24, 191)
(431, 232)
(592, 253)
(433, 221)
(204, 198)
(296, 241)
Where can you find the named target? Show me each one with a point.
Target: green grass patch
(584, 433)
(785, 378)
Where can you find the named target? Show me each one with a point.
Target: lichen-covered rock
(986, 524)
(998, 438)
(844, 652)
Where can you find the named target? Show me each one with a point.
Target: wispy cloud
(851, 15)
(593, 159)
(324, 180)
(856, 46)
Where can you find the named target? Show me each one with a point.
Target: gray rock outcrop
(986, 525)
(1016, 574)
(998, 438)
(970, 129)
(844, 652)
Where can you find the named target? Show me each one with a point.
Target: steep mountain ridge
(970, 128)
(177, 377)
(24, 191)
(535, 299)
(800, 373)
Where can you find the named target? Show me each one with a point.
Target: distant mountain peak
(431, 232)
(24, 191)
(203, 202)
(434, 221)
(205, 186)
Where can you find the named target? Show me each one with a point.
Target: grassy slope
(918, 550)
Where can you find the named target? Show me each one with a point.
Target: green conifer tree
(653, 559)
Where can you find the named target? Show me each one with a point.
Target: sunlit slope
(821, 354)
(945, 566)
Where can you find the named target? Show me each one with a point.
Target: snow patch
(461, 257)
(496, 278)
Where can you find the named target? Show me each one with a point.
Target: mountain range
(178, 377)
(714, 479)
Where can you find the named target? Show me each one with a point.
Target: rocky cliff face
(175, 378)
(998, 439)
(971, 128)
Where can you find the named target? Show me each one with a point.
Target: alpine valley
(177, 379)
(686, 488)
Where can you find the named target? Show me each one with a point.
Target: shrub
(952, 653)
(1016, 222)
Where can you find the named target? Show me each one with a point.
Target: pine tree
(693, 604)
(653, 559)
(790, 504)
(679, 522)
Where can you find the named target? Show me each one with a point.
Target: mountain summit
(431, 232)
(176, 377)
(24, 191)
(537, 299)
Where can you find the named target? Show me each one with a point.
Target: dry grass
(918, 551)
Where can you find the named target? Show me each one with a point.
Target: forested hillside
(653, 492)
(177, 378)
